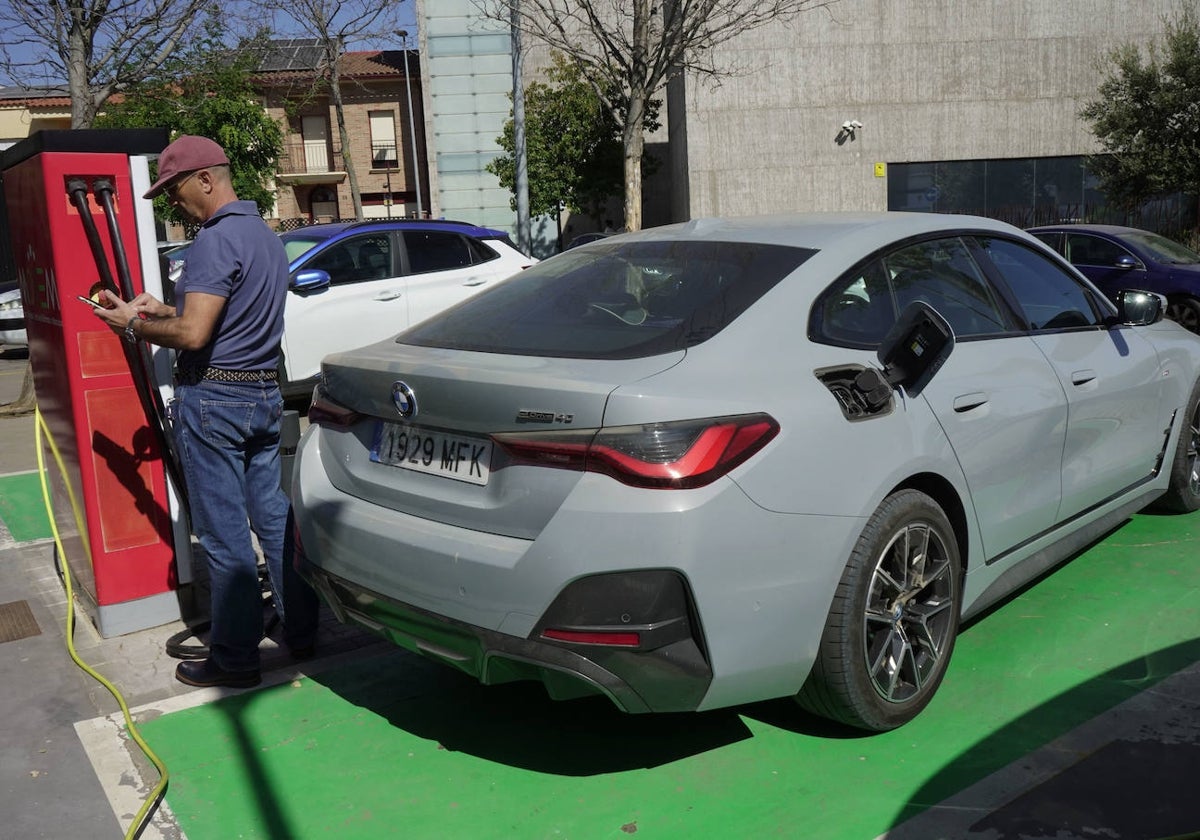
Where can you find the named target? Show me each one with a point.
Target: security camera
(855, 124)
(848, 125)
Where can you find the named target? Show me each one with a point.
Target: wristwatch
(130, 335)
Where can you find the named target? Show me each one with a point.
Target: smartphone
(91, 302)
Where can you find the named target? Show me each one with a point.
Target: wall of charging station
(78, 223)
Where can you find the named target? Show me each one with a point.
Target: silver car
(731, 460)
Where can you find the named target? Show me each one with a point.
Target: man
(226, 414)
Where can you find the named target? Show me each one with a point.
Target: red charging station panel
(111, 502)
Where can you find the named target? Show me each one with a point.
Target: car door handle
(476, 281)
(967, 402)
(1082, 377)
(390, 294)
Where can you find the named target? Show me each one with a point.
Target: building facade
(951, 106)
(384, 117)
(26, 110)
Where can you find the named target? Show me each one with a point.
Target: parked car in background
(353, 283)
(585, 238)
(1116, 258)
(174, 257)
(12, 316)
(713, 463)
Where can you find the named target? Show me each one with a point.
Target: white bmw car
(731, 460)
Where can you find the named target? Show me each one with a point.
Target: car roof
(1086, 228)
(328, 229)
(857, 231)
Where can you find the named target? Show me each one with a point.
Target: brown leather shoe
(205, 673)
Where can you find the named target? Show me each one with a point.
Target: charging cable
(141, 819)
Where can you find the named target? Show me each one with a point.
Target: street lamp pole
(412, 126)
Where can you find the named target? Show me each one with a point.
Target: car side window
(943, 273)
(373, 257)
(861, 307)
(435, 250)
(355, 260)
(1050, 298)
(857, 310)
(1083, 249)
(1053, 239)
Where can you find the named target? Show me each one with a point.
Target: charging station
(77, 224)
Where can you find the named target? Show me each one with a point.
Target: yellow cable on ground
(141, 818)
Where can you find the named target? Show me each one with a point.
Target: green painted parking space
(399, 746)
(21, 507)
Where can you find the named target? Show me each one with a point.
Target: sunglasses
(172, 189)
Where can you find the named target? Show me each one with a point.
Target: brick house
(382, 101)
(312, 183)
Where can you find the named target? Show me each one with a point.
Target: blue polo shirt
(237, 257)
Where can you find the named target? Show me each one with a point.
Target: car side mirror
(1126, 262)
(1139, 309)
(914, 349)
(310, 280)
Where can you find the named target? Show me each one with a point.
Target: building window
(1024, 192)
(315, 131)
(383, 140)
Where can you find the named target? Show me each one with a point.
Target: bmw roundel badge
(404, 398)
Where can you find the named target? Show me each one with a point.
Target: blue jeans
(227, 434)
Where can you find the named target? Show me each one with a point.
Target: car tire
(1183, 493)
(893, 621)
(1185, 311)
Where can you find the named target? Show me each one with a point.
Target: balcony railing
(309, 158)
(383, 156)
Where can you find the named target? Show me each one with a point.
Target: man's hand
(151, 306)
(115, 312)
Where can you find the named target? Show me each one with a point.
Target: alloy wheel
(910, 613)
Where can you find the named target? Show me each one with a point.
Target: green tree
(572, 144)
(207, 90)
(1147, 116)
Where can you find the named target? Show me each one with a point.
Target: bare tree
(97, 46)
(334, 24)
(632, 48)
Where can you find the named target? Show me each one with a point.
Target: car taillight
(677, 455)
(598, 637)
(325, 411)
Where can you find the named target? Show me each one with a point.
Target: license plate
(435, 453)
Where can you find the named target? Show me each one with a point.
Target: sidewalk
(48, 786)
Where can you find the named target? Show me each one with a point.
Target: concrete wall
(929, 79)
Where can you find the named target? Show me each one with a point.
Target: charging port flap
(916, 347)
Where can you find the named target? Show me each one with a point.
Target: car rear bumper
(671, 677)
(729, 599)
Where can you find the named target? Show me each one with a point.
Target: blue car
(1116, 258)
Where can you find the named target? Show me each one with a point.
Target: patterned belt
(191, 376)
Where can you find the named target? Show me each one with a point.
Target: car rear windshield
(614, 300)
